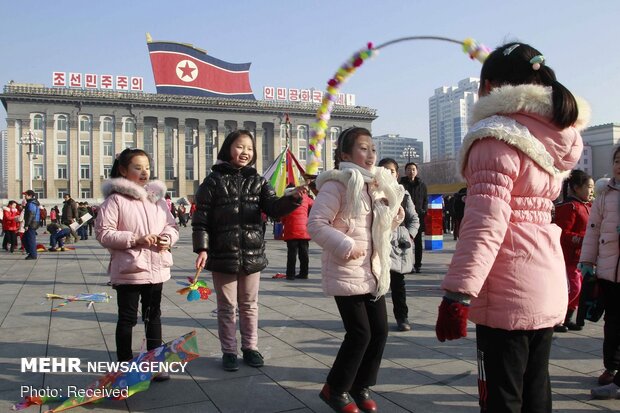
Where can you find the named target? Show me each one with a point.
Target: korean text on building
(304, 95)
(95, 81)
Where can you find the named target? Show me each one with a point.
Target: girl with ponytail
(507, 274)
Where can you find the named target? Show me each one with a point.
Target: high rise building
(449, 110)
(600, 142)
(399, 148)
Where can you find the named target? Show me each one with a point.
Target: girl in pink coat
(508, 261)
(600, 249)
(136, 226)
(354, 213)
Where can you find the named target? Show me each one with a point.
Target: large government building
(80, 131)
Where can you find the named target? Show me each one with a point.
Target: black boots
(568, 324)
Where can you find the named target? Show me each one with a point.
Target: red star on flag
(187, 70)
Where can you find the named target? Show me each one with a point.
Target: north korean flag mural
(181, 69)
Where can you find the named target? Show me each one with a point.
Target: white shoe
(608, 391)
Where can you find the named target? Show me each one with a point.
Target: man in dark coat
(32, 219)
(70, 214)
(417, 189)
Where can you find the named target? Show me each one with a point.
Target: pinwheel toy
(195, 289)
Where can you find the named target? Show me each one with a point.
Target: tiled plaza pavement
(300, 332)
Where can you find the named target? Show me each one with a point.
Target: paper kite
(183, 349)
(89, 298)
(194, 288)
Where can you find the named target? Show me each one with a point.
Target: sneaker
(573, 326)
(229, 362)
(63, 249)
(163, 376)
(417, 270)
(253, 358)
(403, 325)
(301, 277)
(608, 391)
(607, 377)
(30, 257)
(52, 250)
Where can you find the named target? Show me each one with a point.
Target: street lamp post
(409, 152)
(32, 140)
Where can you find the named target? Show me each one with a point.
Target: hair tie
(510, 49)
(536, 61)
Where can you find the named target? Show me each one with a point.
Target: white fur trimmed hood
(520, 116)
(152, 191)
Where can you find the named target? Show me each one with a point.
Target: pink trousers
(574, 285)
(237, 291)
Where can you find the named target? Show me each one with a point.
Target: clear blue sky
(299, 44)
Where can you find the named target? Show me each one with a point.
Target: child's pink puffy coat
(129, 212)
(508, 257)
(600, 245)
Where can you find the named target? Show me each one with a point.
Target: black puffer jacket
(227, 222)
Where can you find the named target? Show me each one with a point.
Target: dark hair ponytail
(510, 65)
(576, 179)
(124, 159)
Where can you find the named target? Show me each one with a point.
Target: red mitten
(451, 320)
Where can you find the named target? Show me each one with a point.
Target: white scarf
(381, 181)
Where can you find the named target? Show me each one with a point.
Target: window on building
(61, 192)
(108, 149)
(302, 151)
(38, 149)
(585, 152)
(333, 134)
(61, 123)
(107, 125)
(61, 172)
(172, 193)
(84, 171)
(85, 148)
(585, 161)
(130, 126)
(85, 193)
(37, 122)
(37, 170)
(39, 193)
(107, 170)
(84, 124)
(189, 146)
(61, 148)
(189, 174)
(169, 173)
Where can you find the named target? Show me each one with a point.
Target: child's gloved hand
(587, 269)
(451, 320)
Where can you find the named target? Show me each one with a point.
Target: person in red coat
(572, 216)
(10, 225)
(297, 238)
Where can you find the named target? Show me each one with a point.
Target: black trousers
(513, 369)
(295, 247)
(128, 297)
(417, 250)
(399, 295)
(611, 329)
(10, 237)
(358, 360)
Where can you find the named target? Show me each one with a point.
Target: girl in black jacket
(228, 238)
